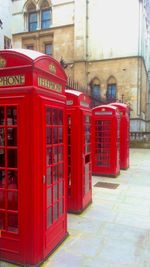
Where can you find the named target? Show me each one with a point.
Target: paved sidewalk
(114, 231)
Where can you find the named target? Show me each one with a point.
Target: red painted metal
(124, 134)
(79, 151)
(105, 141)
(32, 156)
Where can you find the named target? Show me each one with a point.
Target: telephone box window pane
(2, 221)
(55, 151)
(61, 171)
(48, 116)
(61, 207)
(49, 156)
(12, 180)
(48, 136)
(55, 212)
(12, 137)
(2, 158)
(49, 216)
(12, 158)
(60, 153)
(2, 200)
(55, 136)
(49, 197)
(12, 201)
(11, 116)
(55, 192)
(54, 116)
(60, 135)
(49, 175)
(2, 137)
(61, 189)
(13, 223)
(2, 179)
(60, 117)
(1, 116)
(55, 174)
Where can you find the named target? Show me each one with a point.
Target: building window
(46, 18)
(31, 47)
(48, 49)
(7, 42)
(32, 21)
(111, 92)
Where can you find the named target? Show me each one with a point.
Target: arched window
(111, 93)
(95, 89)
(46, 15)
(37, 15)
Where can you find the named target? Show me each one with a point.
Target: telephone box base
(80, 210)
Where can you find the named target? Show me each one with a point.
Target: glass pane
(13, 222)
(12, 180)
(49, 216)
(48, 49)
(2, 158)
(60, 153)
(11, 116)
(2, 137)
(60, 135)
(61, 189)
(48, 116)
(2, 221)
(12, 158)
(55, 192)
(12, 137)
(49, 156)
(2, 200)
(60, 117)
(33, 17)
(55, 174)
(12, 201)
(55, 136)
(45, 14)
(2, 179)
(55, 149)
(48, 136)
(61, 207)
(55, 212)
(49, 175)
(54, 116)
(49, 197)
(1, 116)
(61, 171)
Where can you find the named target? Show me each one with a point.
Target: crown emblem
(52, 68)
(2, 62)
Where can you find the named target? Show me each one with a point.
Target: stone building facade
(104, 44)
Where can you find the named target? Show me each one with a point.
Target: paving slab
(114, 231)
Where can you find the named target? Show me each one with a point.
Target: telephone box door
(54, 169)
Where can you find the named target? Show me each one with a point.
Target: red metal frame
(105, 141)
(33, 216)
(124, 134)
(79, 151)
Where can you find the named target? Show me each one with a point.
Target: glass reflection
(55, 192)
(2, 221)
(12, 222)
(55, 211)
(49, 175)
(12, 137)
(48, 116)
(12, 158)
(2, 157)
(54, 116)
(12, 201)
(49, 156)
(11, 115)
(1, 116)
(49, 197)
(49, 216)
(2, 179)
(2, 200)
(48, 136)
(12, 180)
(2, 137)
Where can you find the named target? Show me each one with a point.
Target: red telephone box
(79, 151)
(124, 134)
(32, 156)
(105, 141)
